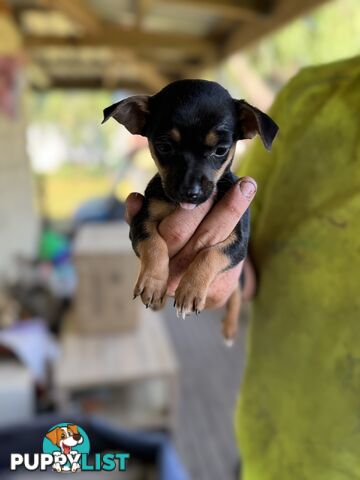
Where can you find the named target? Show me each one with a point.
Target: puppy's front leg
(152, 251)
(191, 293)
(190, 296)
(154, 268)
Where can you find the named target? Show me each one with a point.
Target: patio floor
(209, 382)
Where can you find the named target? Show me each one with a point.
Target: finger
(179, 226)
(224, 217)
(223, 286)
(216, 227)
(133, 204)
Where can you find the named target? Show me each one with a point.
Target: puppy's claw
(229, 342)
(152, 290)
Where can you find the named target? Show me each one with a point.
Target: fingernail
(247, 188)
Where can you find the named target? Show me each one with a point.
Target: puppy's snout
(192, 192)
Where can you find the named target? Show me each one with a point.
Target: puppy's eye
(221, 151)
(63, 435)
(164, 148)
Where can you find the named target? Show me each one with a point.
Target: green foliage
(330, 33)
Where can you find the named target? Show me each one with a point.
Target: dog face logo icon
(66, 442)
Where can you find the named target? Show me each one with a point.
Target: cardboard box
(107, 268)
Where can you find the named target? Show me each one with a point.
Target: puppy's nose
(193, 192)
(77, 436)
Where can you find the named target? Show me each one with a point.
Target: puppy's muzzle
(190, 193)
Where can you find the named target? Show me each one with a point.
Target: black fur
(189, 165)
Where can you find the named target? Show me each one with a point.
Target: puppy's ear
(253, 121)
(131, 112)
(73, 428)
(53, 435)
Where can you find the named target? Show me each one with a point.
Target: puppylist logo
(66, 449)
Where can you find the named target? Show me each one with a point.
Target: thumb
(133, 204)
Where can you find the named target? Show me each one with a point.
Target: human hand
(187, 232)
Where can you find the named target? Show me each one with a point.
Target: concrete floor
(209, 383)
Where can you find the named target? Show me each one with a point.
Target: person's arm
(188, 232)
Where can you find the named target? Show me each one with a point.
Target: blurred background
(72, 343)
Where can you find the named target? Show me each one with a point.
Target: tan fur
(211, 138)
(154, 258)
(151, 284)
(231, 319)
(159, 209)
(227, 162)
(175, 135)
(192, 290)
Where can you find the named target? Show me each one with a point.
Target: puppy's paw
(152, 288)
(75, 467)
(190, 297)
(56, 467)
(229, 328)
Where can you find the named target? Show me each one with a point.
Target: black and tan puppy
(192, 127)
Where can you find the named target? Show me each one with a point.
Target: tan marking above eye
(211, 138)
(175, 134)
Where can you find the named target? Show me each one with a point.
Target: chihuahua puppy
(192, 127)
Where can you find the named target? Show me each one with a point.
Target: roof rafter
(78, 11)
(130, 38)
(230, 9)
(142, 7)
(150, 76)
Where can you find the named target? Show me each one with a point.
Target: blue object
(101, 209)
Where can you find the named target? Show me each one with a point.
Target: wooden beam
(78, 11)
(91, 83)
(230, 9)
(4, 7)
(129, 38)
(283, 13)
(136, 67)
(142, 7)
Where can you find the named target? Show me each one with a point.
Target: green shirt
(298, 415)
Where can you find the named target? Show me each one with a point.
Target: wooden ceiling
(139, 44)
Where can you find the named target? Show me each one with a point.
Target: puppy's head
(192, 127)
(65, 437)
